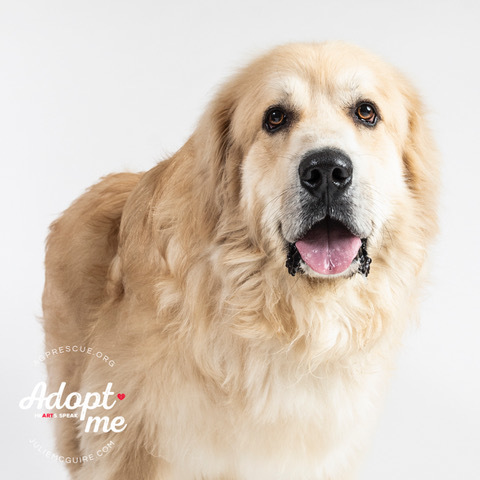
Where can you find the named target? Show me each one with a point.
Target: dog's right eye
(274, 119)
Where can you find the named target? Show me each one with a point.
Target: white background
(91, 87)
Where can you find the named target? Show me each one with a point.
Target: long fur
(232, 368)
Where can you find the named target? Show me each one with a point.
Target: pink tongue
(329, 247)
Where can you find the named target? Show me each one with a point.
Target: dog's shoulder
(84, 240)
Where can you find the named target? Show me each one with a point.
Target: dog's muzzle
(328, 245)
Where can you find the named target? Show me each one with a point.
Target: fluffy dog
(229, 282)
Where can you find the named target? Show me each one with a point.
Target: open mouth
(328, 248)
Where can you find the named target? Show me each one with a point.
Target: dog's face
(322, 130)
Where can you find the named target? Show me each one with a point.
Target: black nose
(325, 173)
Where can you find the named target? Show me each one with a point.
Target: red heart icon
(121, 396)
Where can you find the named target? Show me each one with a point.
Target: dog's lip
(329, 246)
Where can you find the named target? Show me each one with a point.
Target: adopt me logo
(75, 401)
(75, 406)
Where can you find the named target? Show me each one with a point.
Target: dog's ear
(213, 134)
(216, 154)
(422, 163)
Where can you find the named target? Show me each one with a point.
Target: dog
(253, 288)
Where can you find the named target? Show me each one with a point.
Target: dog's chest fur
(281, 425)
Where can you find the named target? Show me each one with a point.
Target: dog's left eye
(274, 119)
(366, 113)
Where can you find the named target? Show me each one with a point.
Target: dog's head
(319, 148)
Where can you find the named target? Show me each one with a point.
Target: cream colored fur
(232, 368)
